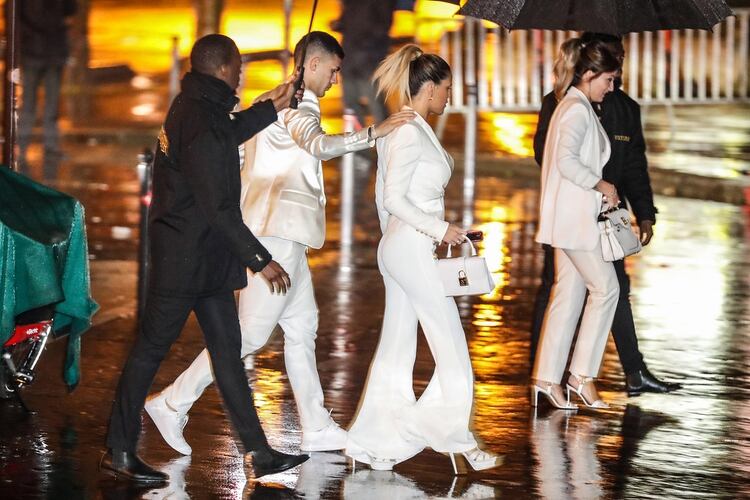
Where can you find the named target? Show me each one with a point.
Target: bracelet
(370, 129)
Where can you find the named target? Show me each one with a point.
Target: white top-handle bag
(465, 275)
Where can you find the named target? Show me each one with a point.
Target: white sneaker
(330, 438)
(169, 422)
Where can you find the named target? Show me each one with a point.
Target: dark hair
(614, 42)
(577, 57)
(210, 52)
(403, 73)
(317, 41)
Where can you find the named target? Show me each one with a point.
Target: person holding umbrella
(572, 195)
(627, 169)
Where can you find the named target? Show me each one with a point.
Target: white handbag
(617, 236)
(465, 275)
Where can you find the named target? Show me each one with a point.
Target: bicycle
(21, 352)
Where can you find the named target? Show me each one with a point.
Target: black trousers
(623, 327)
(163, 320)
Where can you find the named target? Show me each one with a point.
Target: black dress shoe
(127, 465)
(269, 461)
(644, 381)
(273, 492)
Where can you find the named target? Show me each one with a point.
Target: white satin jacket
(413, 170)
(575, 152)
(282, 174)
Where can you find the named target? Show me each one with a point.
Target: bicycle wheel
(19, 354)
(6, 390)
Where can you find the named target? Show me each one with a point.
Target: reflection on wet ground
(690, 299)
(695, 140)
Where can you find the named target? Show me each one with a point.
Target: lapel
(433, 139)
(602, 137)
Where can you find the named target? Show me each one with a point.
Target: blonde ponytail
(564, 69)
(392, 75)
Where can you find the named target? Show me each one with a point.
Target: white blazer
(282, 175)
(576, 150)
(413, 170)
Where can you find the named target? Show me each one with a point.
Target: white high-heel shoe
(476, 458)
(383, 464)
(547, 391)
(582, 381)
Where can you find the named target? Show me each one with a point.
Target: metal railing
(512, 71)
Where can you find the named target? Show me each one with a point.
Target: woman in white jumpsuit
(392, 425)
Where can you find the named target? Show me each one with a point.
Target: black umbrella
(615, 17)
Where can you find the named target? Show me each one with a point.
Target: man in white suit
(283, 202)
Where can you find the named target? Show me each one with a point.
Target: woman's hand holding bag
(617, 237)
(465, 275)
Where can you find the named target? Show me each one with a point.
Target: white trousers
(575, 272)
(260, 311)
(391, 423)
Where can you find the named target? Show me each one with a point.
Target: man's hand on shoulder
(393, 122)
(281, 96)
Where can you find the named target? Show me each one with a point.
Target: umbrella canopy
(615, 17)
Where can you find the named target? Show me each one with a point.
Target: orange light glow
(513, 133)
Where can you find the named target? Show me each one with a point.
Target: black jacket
(199, 244)
(42, 30)
(627, 167)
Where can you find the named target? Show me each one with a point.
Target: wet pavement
(691, 290)
(690, 300)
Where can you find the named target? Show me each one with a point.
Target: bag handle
(473, 249)
(605, 214)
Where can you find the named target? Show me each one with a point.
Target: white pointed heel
(535, 389)
(478, 460)
(459, 466)
(582, 381)
(384, 464)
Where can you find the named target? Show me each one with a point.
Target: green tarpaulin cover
(44, 260)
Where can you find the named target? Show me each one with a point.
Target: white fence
(498, 70)
(511, 71)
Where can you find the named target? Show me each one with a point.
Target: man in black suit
(627, 169)
(199, 250)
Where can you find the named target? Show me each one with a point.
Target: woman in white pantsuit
(392, 425)
(572, 195)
